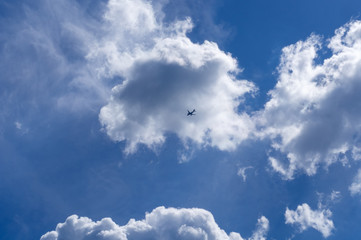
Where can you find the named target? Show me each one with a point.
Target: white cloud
(18, 125)
(305, 218)
(335, 196)
(242, 172)
(355, 187)
(42, 63)
(161, 223)
(312, 116)
(327, 200)
(261, 230)
(157, 73)
(20, 128)
(164, 73)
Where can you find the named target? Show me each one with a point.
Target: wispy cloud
(355, 187)
(262, 229)
(242, 172)
(43, 63)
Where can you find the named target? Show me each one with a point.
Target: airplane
(191, 113)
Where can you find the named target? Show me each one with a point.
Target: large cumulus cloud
(156, 73)
(161, 224)
(163, 74)
(155, 70)
(313, 114)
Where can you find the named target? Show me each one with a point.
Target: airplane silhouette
(191, 113)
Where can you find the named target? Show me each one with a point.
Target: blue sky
(94, 132)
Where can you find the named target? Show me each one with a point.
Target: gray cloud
(161, 223)
(165, 74)
(155, 70)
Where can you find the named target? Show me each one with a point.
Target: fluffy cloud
(305, 218)
(156, 73)
(313, 114)
(261, 230)
(355, 187)
(161, 223)
(163, 74)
